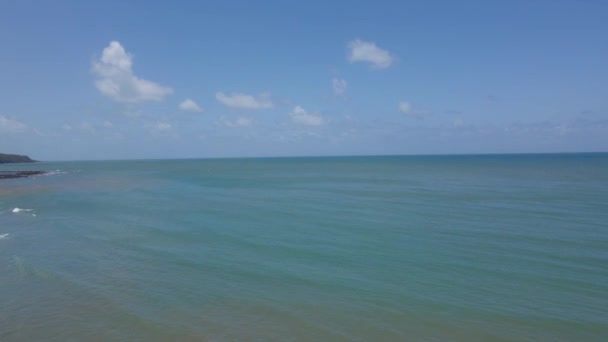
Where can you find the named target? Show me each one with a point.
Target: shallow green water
(460, 248)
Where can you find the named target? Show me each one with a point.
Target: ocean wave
(3, 236)
(21, 210)
(54, 172)
(18, 210)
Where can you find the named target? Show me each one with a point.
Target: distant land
(14, 158)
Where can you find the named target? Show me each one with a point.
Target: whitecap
(55, 172)
(2, 236)
(18, 210)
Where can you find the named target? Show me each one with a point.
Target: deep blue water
(433, 248)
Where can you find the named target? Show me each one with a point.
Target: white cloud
(301, 117)
(115, 78)
(361, 51)
(244, 101)
(108, 124)
(405, 107)
(8, 125)
(66, 127)
(190, 106)
(339, 86)
(239, 122)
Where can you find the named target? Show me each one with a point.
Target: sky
(206, 79)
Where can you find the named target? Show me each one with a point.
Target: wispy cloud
(162, 128)
(362, 51)
(238, 122)
(132, 113)
(302, 117)
(491, 98)
(88, 127)
(339, 86)
(189, 105)
(12, 126)
(407, 108)
(244, 101)
(458, 122)
(116, 80)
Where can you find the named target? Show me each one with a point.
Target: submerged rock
(19, 174)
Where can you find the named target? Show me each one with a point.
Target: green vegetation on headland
(14, 158)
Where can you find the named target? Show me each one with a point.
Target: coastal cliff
(14, 158)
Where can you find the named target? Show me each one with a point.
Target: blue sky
(184, 79)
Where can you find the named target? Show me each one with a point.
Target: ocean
(388, 248)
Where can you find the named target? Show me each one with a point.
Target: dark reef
(19, 174)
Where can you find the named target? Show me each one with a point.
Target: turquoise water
(437, 248)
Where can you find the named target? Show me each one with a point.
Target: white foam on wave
(18, 210)
(2, 236)
(21, 210)
(54, 172)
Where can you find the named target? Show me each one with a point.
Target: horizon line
(331, 156)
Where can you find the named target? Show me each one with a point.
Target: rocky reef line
(20, 174)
